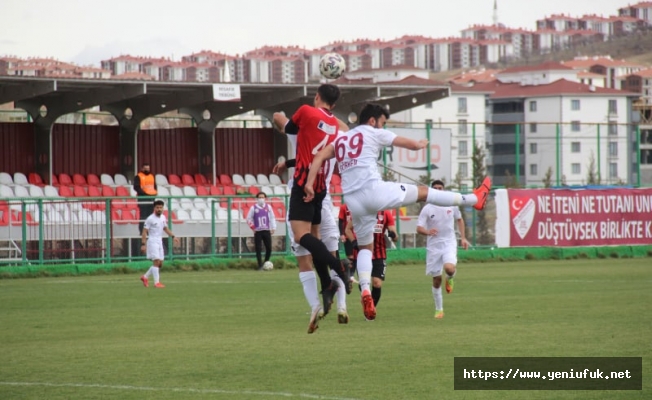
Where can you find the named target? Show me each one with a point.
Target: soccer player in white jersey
(152, 242)
(438, 224)
(366, 193)
(329, 234)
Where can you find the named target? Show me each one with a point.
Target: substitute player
(366, 193)
(315, 127)
(152, 242)
(441, 246)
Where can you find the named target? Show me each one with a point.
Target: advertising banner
(565, 217)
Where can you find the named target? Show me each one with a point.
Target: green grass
(242, 334)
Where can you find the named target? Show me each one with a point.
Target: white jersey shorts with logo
(365, 203)
(439, 254)
(155, 249)
(328, 231)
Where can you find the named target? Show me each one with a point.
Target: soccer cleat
(368, 307)
(482, 192)
(342, 317)
(159, 285)
(450, 283)
(439, 314)
(327, 296)
(316, 315)
(145, 281)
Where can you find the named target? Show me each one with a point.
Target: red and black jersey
(344, 218)
(384, 219)
(317, 127)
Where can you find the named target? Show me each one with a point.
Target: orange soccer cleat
(145, 281)
(482, 192)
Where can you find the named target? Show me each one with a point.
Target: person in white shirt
(366, 193)
(262, 221)
(152, 242)
(438, 223)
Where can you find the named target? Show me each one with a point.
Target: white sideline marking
(178, 390)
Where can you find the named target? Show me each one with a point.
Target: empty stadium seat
(267, 190)
(279, 190)
(262, 179)
(107, 191)
(216, 190)
(65, 191)
(201, 180)
(175, 219)
(160, 179)
(189, 191)
(199, 204)
(36, 191)
(222, 215)
(275, 179)
(84, 216)
(225, 179)
(254, 190)
(78, 191)
(249, 179)
(6, 191)
(99, 216)
(21, 191)
(106, 179)
(6, 179)
(183, 215)
(187, 179)
(17, 218)
(35, 179)
(120, 179)
(237, 180)
(79, 179)
(50, 191)
(93, 180)
(196, 216)
(162, 191)
(65, 179)
(202, 191)
(175, 180)
(229, 190)
(20, 179)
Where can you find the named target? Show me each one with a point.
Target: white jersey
(357, 153)
(441, 218)
(154, 225)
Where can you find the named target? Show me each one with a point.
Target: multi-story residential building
(641, 10)
(612, 70)
(541, 74)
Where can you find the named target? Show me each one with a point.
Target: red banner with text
(586, 217)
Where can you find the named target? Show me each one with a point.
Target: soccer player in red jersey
(315, 127)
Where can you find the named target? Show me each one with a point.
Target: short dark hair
(329, 93)
(437, 182)
(159, 203)
(372, 110)
(263, 193)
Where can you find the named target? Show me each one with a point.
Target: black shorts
(348, 248)
(302, 211)
(378, 269)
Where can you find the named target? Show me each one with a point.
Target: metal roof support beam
(25, 90)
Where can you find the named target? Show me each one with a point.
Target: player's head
(145, 168)
(158, 207)
(437, 184)
(328, 95)
(374, 115)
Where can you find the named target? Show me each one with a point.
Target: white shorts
(365, 203)
(155, 249)
(438, 255)
(328, 231)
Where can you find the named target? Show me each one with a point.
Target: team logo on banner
(522, 211)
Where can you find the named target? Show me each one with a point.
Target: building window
(575, 147)
(533, 128)
(533, 148)
(613, 149)
(462, 128)
(463, 169)
(612, 129)
(534, 169)
(613, 107)
(533, 106)
(613, 170)
(428, 105)
(575, 126)
(575, 105)
(461, 105)
(576, 169)
(462, 148)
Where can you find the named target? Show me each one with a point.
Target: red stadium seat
(78, 191)
(55, 181)
(65, 191)
(187, 180)
(93, 180)
(107, 191)
(202, 191)
(17, 218)
(201, 180)
(65, 179)
(225, 179)
(279, 208)
(175, 220)
(254, 190)
(35, 179)
(78, 179)
(129, 216)
(229, 190)
(216, 190)
(173, 179)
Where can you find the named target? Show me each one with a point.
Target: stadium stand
(6, 179)
(35, 179)
(237, 180)
(249, 179)
(106, 179)
(120, 180)
(20, 179)
(275, 180)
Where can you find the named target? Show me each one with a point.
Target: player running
(366, 193)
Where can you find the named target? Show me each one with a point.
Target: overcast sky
(87, 31)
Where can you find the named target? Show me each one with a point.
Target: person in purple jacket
(262, 221)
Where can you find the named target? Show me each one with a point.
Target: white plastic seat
(222, 215)
(288, 189)
(250, 180)
(176, 191)
(120, 180)
(163, 191)
(267, 190)
(21, 191)
(50, 191)
(99, 216)
(176, 205)
(84, 216)
(20, 179)
(182, 215)
(69, 217)
(279, 190)
(189, 191)
(262, 179)
(238, 180)
(200, 204)
(236, 215)
(275, 179)
(161, 180)
(54, 217)
(186, 204)
(6, 179)
(36, 191)
(6, 191)
(107, 180)
(196, 216)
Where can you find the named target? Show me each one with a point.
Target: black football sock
(320, 257)
(375, 294)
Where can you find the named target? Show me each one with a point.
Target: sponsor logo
(522, 211)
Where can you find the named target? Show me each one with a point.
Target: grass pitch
(242, 334)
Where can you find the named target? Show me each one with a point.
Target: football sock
(447, 199)
(149, 272)
(321, 258)
(309, 283)
(341, 291)
(155, 273)
(375, 294)
(364, 268)
(439, 301)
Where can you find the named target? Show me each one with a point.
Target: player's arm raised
(326, 153)
(410, 144)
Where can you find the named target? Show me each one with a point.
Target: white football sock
(155, 273)
(341, 292)
(447, 199)
(309, 282)
(364, 269)
(439, 301)
(149, 272)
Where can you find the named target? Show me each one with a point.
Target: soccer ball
(268, 266)
(332, 65)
